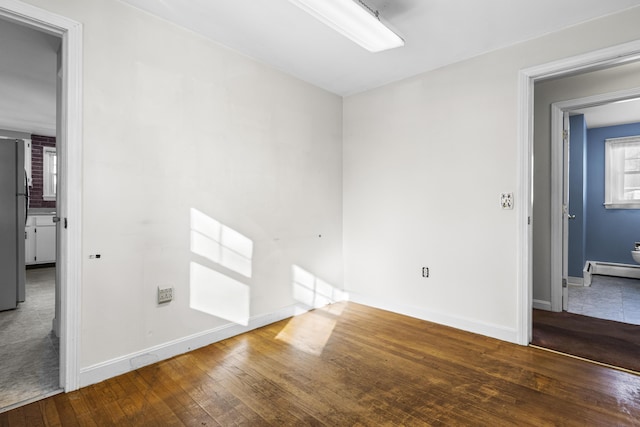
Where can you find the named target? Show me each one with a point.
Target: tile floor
(608, 297)
(29, 361)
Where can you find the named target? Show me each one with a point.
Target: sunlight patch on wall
(220, 244)
(312, 291)
(219, 295)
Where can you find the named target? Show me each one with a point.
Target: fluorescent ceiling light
(352, 21)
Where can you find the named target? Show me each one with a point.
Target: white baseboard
(575, 281)
(615, 269)
(542, 305)
(120, 365)
(465, 324)
(610, 269)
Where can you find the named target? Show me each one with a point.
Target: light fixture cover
(352, 21)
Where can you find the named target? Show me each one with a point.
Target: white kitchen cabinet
(40, 245)
(30, 241)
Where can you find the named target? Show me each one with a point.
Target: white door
(565, 211)
(61, 174)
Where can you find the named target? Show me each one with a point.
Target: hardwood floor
(346, 365)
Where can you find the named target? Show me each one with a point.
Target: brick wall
(35, 192)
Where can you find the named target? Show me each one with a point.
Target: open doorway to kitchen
(68, 176)
(30, 351)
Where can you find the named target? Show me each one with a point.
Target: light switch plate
(506, 200)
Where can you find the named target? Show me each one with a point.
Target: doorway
(69, 158)
(602, 278)
(612, 114)
(597, 60)
(30, 362)
(588, 77)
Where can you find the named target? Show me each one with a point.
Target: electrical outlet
(506, 200)
(425, 271)
(165, 295)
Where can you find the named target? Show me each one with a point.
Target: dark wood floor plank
(79, 404)
(607, 341)
(131, 399)
(306, 374)
(155, 410)
(33, 416)
(416, 382)
(49, 412)
(170, 388)
(216, 398)
(16, 417)
(64, 409)
(262, 388)
(348, 364)
(496, 364)
(239, 394)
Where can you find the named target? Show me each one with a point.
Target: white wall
(173, 122)
(546, 93)
(425, 161)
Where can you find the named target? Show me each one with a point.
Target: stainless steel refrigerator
(14, 202)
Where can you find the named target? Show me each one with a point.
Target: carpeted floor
(606, 341)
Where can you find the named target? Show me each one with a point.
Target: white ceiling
(27, 79)
(617, 113)
(436, 32)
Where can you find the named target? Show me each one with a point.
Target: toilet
(636, 253)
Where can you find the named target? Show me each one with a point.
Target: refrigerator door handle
(26, 197)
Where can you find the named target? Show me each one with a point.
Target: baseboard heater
(609, 269)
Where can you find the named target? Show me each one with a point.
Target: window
(49, 173)
(622, 173)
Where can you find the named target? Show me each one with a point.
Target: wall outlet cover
(506, 200)
(165, 295)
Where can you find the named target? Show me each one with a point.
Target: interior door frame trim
(70, 192)
(557, 111)
(599, 59)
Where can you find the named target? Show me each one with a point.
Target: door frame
(70, 165)
(558, 110)
(527, 78)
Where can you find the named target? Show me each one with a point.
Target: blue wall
(610, 232)
(577, 199)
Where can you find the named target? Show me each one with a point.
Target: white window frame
(614, 174)
(49, 173)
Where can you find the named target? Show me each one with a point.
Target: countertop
(41, 211)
